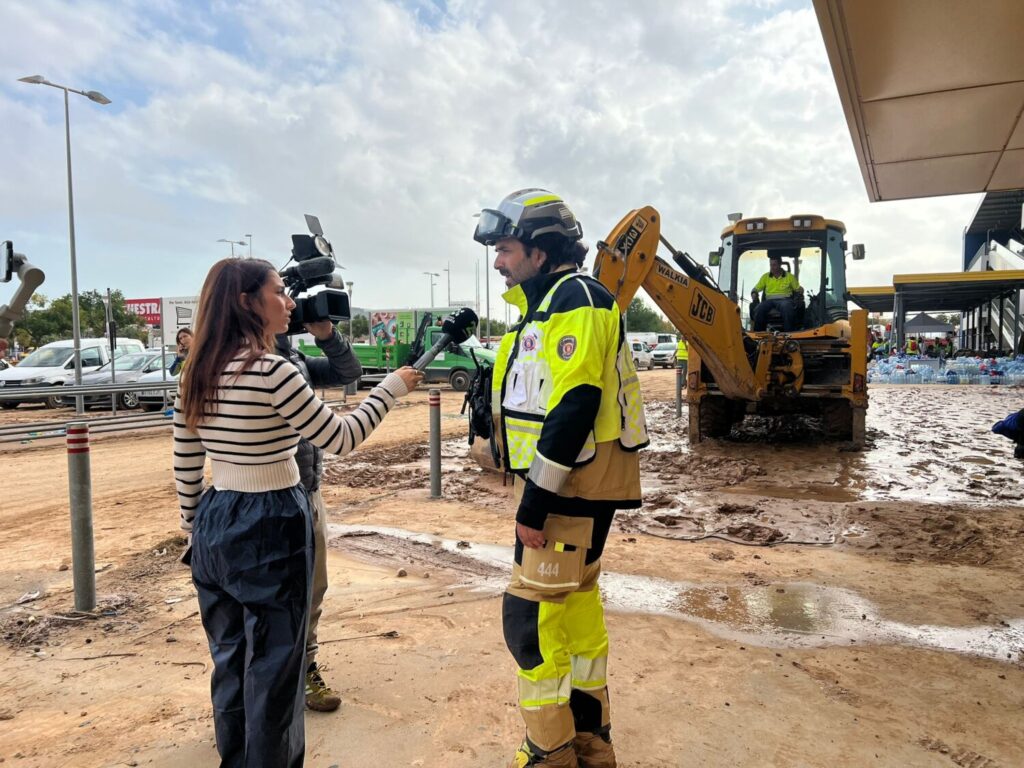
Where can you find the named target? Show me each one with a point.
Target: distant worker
(183, 343)
(911, 346)
(781, 291)
(682, 357)
(1013, 427)
(568, 400)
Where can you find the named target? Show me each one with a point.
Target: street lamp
(233, 243)
(249, 237)
(432, 275)
(487, 286)
(76, 330)
(448, 270)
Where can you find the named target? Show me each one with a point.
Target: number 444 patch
(548, 569)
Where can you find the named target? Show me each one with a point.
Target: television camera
(314, 266)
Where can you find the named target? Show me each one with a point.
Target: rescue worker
(566, 402)
(781, 291)
(682, 357)
(1013, 427)
(911, 346)
(338, 367)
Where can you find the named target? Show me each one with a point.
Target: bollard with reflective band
(679, 391)
(83, 560)
(435, 443)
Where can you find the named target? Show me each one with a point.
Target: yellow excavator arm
(707, 318)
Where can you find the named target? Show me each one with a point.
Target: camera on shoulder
(315, 267)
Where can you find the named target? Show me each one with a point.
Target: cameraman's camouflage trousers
(319, 584)
(554, 626)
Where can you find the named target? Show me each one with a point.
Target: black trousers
(252, 564)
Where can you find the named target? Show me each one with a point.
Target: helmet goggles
(494, 226)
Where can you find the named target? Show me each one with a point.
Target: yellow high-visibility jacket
(566, 396)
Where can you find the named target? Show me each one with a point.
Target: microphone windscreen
(460, 324)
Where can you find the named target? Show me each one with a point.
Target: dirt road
(882, 625)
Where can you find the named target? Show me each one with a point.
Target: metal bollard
(83, 559)
(435, 443)
(679, 391)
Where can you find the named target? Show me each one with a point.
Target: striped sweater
(252, 437)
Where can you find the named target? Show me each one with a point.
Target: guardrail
(70, 390)
(57, 428)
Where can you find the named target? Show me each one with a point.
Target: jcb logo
(701, 309)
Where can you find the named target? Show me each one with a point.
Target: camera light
(322, 246)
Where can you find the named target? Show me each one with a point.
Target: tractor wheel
(715, 416)
(459, 380)
(837, 420)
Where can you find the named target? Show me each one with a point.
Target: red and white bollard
(83, 558)
(435, 443)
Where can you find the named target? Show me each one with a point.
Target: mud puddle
(793, 614)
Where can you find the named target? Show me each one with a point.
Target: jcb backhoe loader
(818, 369)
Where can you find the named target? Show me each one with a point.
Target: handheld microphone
(457, 327)
(311, 269)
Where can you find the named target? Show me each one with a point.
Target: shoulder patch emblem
(566, 347)
(529, 343)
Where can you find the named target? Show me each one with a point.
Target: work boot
(594, 750)
(528, 756)
(319, 695)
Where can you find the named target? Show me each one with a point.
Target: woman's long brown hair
(224, 329)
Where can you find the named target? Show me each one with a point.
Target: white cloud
(395, 122)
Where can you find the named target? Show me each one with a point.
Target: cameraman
(338, 367)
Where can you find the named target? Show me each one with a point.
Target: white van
(641, 355)
(53, 364)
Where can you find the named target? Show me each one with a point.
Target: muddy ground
(776, 602)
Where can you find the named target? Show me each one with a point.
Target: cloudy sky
(395, 121)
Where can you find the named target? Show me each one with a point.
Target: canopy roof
(933, 92)
(940, 291)
(925, 323)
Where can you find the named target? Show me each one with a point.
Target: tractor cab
(811, 248)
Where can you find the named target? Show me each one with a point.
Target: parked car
(153, 399)
(641, 355)
(127, 369)
(54, 365)
(665, 354)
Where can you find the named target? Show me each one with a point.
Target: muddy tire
(715, 416)
(459, 380)
(837, 420)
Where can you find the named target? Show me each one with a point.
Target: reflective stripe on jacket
(564, 384)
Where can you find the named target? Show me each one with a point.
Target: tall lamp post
(432, 275)
(249, 238)
(232, 243)
(76, 330)
(487, 286)
(448, 271)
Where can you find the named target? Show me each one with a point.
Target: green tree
(47, 321)
(360, 327)
(641, 318)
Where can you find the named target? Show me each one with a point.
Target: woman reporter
(251, 528)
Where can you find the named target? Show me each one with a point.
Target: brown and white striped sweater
(252, 436)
